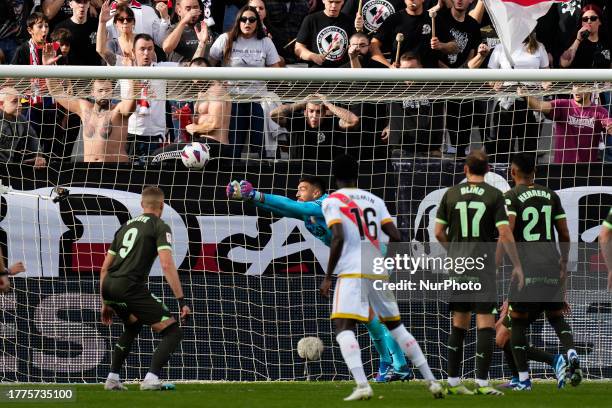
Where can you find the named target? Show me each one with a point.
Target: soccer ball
(195, 155)
(310, 348)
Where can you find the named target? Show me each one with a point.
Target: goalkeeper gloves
(242, 190)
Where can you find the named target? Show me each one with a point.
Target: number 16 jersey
(362, 215)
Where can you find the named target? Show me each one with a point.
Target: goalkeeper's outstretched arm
(280, 205)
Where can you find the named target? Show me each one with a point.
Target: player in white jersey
(357, 220)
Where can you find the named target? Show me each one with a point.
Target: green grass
(322, 395)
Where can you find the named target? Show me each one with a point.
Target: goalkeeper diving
(310, 196)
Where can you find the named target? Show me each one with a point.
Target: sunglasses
(592, 19)
(124, 19)
(249, 19)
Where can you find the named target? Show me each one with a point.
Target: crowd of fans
(43, 124)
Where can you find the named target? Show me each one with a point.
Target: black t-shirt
(65, 12)
(186, 46)
(83, 46)
(466, 33)
(136, 245)
(417, 36)
(319, 33)
(592, 55)
(410, 125)
(318, 144)
(374, 12)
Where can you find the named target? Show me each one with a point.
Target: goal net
(251, 277)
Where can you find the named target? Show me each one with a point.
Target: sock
(172, 336)
(123, 346)
(570, 352)
(510, 359)
(563, 330)
(536, 354)
(399, 359)
(349, 347)
(455, 350)
(523, 375)
(113, 376)
(453, 381)
(377, 334)
(519, 343)
(151, 377)
(484, 351)
(482, 383)
(412, 350)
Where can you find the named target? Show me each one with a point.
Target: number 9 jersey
(136, 245)
(362, 215)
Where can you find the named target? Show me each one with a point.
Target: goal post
(253, 277)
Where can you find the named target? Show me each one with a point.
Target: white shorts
(353, 298)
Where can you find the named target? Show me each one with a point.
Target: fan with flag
(514, 20)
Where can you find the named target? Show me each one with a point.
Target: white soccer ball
(195, 155)
(310, 348)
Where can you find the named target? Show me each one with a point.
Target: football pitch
(319, 395)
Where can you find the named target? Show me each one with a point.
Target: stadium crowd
(35, 127)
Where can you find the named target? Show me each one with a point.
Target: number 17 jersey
(135, 247)
(362, 215)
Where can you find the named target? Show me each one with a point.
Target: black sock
(123, 346)
(536, 354)
(563, 330)
(172, 337)
(484, 351)
(519, 343)
(455, 350)
(510, 359)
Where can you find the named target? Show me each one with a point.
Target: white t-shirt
(373, 215)
(153, 122)
(523, 59)
(246, 52)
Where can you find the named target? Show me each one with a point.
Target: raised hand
(49, 56)
(201, 32)
(16, 268)
(190, 16)
(163, 10)
(105, 12)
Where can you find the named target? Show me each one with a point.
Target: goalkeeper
(310, 196)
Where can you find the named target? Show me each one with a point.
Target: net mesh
(251, 277)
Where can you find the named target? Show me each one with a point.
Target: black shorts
(536, 308)
(476, 307)
(133, 299)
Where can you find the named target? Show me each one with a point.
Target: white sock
(412, 350)
(113, 376)
(151, 377)
(523, 375)
(482, 383)
(453, 381)
(349, 346)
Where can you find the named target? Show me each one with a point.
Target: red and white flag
(514, 20)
